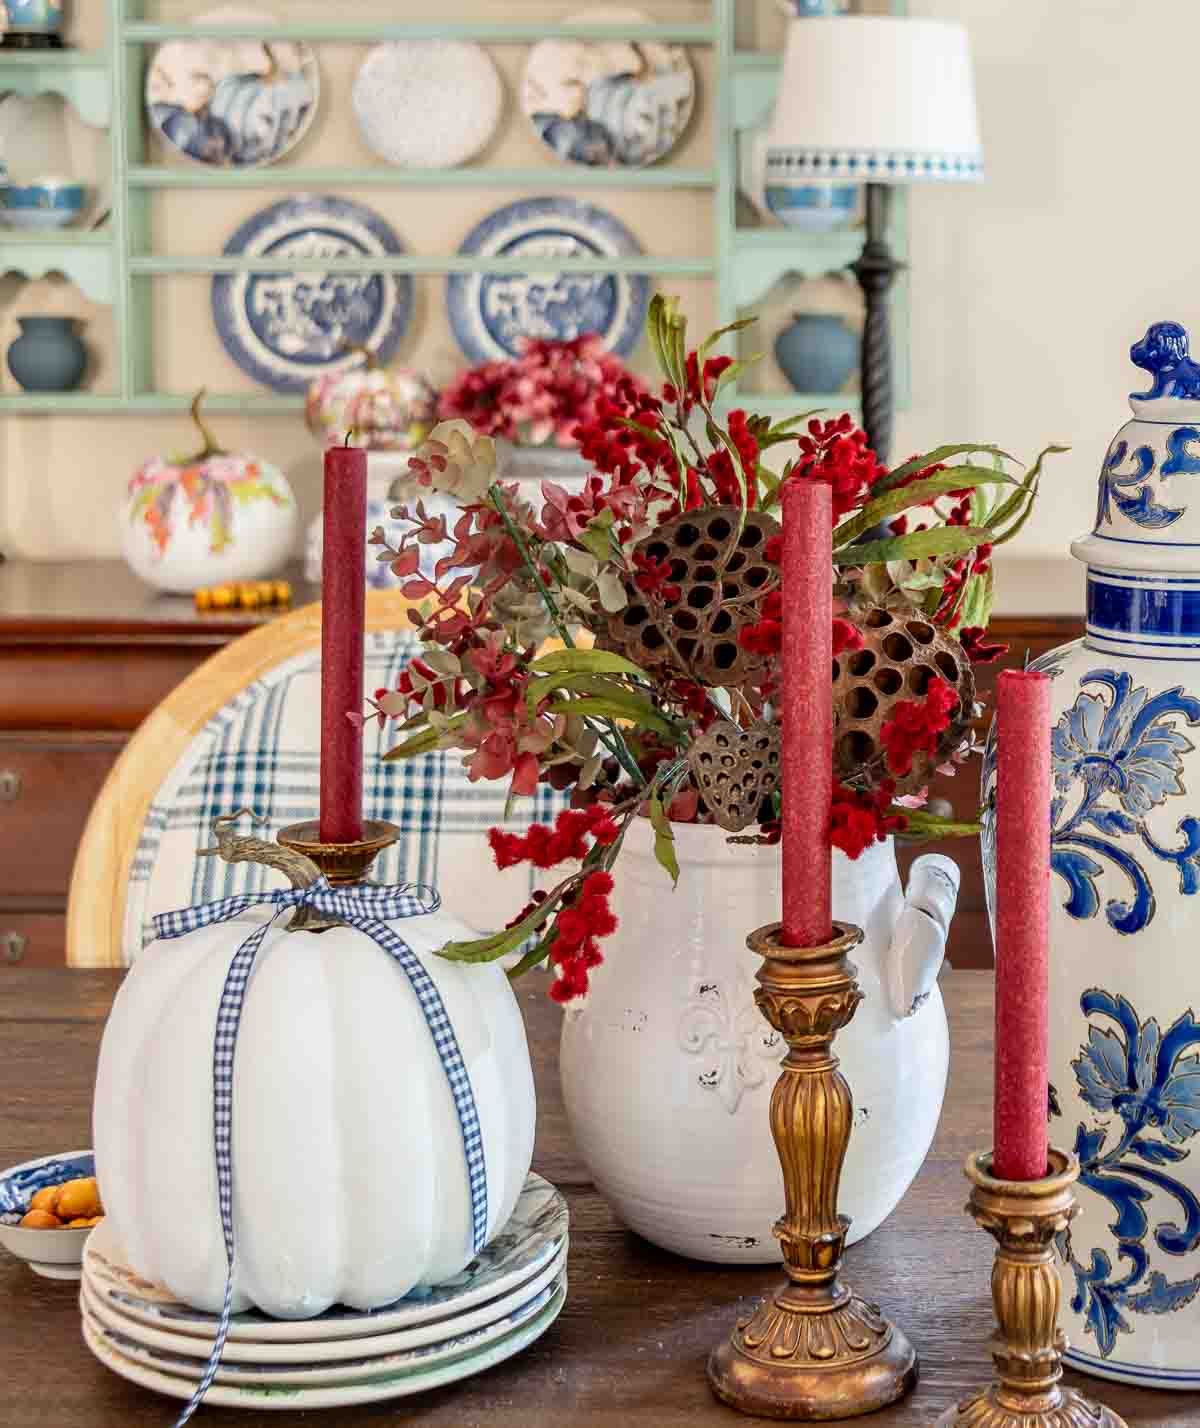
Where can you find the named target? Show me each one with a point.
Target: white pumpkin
(350, 1181)
(388, 409)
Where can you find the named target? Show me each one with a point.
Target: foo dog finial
(1163, 352)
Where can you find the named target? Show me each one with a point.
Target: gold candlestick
(813, 1350)
(342, 863)
(1024, 1217)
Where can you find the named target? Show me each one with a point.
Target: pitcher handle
(918, 945)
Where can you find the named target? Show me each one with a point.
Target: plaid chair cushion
(262, 751)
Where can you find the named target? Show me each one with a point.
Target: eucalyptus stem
(609, 736)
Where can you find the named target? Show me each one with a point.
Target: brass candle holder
(813, 1350)
(342, 863)
(1024, 1217)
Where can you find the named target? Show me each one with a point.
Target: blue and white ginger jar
(1125, 896)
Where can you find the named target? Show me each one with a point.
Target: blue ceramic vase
(817, 352)
(49, 355)
(1125, 895)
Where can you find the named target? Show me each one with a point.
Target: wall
(1026, 292)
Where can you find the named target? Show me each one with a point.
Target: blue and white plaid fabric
(262, 750)
(369, 908)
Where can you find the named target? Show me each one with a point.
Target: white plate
(608, 103)
(303, 1398)
(428, 104)
(316, 1375)
(335, 1351)
(527, 1243)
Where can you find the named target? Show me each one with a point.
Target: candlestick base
(813, 1351)
(1024, 1218)
(342, 863)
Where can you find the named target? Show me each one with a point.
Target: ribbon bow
(368, 907)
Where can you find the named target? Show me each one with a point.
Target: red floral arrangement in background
(659, 582)
(554, 387)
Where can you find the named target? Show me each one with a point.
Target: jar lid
(1148, 512)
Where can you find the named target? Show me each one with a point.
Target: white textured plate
(371, 1391)
(428, 104)
(608, 103)
(236, 103)
(333, 1351)
(310, 1374)
(527, 1243)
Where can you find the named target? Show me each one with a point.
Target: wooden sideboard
(86, 651)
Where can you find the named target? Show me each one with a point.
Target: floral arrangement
(660, 584)
(554, 387)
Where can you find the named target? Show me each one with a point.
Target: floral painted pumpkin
(204, 519)
(350, 1179)
(389, 409)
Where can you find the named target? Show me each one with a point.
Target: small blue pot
(814, 207)
(817, 352)
(49, 355)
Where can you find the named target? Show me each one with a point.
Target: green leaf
(423, 742)
(714, 337)
(939, 454)
(664, 839)
(1021, 497)
(587, 661)
(945, 540)
(536, 955)
(958, 478)
(618, 705)
(500, 944)
(922, 826)
(597, 538)
(786, 430)
(976, 607)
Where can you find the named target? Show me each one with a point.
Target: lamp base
(793, 1359)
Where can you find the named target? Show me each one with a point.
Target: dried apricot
(46, 1198)
(78, 1199)
(41, 1220)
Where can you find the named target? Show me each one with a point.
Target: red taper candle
(343, 616)
(807, 695)
(1022, 924)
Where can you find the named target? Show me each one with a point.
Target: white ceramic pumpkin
(207, 518)
(388, 408)
(350, 1181)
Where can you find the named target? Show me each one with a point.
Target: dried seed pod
(721, 577)
(735, 769)
(901, 654)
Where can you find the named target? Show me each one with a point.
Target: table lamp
(879, 100)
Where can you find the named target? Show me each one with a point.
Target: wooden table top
(631, 1344)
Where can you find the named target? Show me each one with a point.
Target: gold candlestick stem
(813, 1350)
(1024, 1217)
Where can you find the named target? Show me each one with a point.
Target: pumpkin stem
(210, 441)
(367, 353)
(299, 870)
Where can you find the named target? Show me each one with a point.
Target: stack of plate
(501, 1302)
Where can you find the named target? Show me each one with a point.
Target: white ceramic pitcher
(667, 1064)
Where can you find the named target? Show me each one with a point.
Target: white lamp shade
(875, 99)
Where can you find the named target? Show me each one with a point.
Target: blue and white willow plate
(236, 103)
(285, 327)
(530, 1240)
(608, 103)
(490, 313)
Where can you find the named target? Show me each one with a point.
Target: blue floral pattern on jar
(1146, 1085)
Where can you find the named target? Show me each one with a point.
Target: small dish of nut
(48, 1208)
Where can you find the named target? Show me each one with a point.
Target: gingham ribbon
(369, 909)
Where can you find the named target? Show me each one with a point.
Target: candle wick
(350, 436)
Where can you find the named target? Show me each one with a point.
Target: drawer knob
(13, 945)
(10, 785)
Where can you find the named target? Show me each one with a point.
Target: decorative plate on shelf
(428, 104)
(285, 327)
(490, 313)
(613, 103)
(236, 103)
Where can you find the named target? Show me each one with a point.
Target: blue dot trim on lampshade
(792, 164)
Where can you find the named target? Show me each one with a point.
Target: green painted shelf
(544, 177)
(411, 263)
(84, 257)
(80, 77)
(351, 32)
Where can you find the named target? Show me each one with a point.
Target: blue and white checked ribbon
(368, 908)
